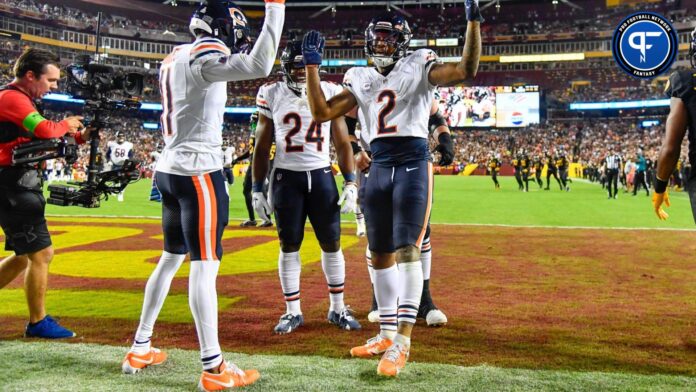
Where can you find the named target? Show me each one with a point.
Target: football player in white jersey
(117, 153)
(395, 98)
(195, 201)
(303, 186)
(436, 124)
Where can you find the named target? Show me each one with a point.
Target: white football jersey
(119, 152)
(193, 85)
(228, 156)
(396, 105)
(301, 143)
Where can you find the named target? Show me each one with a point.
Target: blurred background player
(117, 152)
(155, 194)
(228, 159)
(398, 193)
(494, 169)
(246, 189)
(195, 200)
(303, 186)
(525, 165)
(538, 167)
(562, 164)
(681, 89)
(516, 165)
(551, 170)
(639, 176)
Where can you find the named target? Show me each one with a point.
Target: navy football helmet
(386, 39)
(692, 48)
(224, 20)
(290, 59)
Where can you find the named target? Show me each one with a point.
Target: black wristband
(257, 187)
(660, 185)
(445, 139)
(351, 123)
(356, 147)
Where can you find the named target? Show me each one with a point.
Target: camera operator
(21, 198)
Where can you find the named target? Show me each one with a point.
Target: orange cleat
(133, 363)
(393, 360)
(374, 346)
(230, 376)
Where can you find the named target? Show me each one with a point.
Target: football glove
(349, 198)
(658, 199)
(445, 148)
(312, 48)
(261, 207)
(473, 12)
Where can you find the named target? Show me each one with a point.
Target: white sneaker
(120, 197)
(373, 316)
(435, 318)
(360, 232)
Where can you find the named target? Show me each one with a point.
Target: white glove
(349, 199)
(261, 207)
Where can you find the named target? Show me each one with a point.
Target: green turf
(103, 304)
(70, 367)
(472, 200)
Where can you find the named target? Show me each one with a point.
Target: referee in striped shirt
(612, 163)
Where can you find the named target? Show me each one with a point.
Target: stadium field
(471, 200)
(539, 293)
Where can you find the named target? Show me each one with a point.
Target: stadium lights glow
(653, 103)
(145, 105)
(535, 58)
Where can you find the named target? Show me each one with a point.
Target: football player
(228, 160)
(681, 89)
(117, 153)
(395, 98)
(195, 202)
(303, 186)
(246, 188)
(494, 169)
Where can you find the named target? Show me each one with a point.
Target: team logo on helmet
(645, 45)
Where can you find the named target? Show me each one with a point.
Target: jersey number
(386, 110)
(313, 133)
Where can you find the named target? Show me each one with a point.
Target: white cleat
(373, 316)
(435, 318)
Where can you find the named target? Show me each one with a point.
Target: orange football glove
(658, 199)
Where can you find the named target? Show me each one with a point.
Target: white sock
(334, 266)
(289, 268)
(155, 293)
(386, 293)
(411, 287)
(204, 307)
(426, 257)
(370, 270)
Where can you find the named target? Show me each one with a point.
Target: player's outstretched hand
(312, 48)
(473, 12)
(261, 207)
(349, 198)
(658, 199)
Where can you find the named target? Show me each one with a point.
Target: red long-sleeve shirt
(20, 122)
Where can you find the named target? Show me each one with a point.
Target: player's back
(193, 110)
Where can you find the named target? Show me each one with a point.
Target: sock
(387, 294)
(289, 268)
(411, 287)
(359, 216)
(204, 307)
(402, 340)
(155, 292)
(370, 270)
(426, 257)
(334, 266)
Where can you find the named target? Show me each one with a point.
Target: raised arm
(449, 74)
(258, 63)
(340, 104)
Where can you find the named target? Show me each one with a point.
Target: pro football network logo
(645, 45)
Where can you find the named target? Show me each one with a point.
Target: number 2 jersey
(301, 143)
(395, 106)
